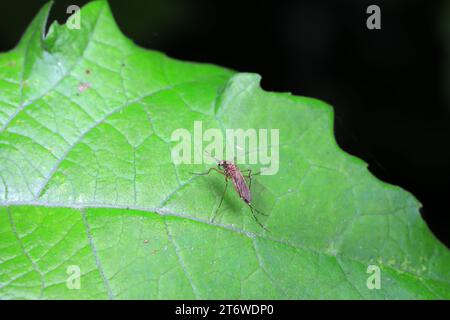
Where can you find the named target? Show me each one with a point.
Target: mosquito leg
(207, 172)
(250, 176)
(252, 173)
(221, 200)
(256, 219)
(257, 211)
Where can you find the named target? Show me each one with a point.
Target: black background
(283, 309)
(389, 87)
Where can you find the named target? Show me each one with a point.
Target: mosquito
(231, 171)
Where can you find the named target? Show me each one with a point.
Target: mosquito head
(221, 163)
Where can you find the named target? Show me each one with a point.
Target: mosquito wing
(241, 187)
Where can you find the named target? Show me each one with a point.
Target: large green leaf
(86, 180)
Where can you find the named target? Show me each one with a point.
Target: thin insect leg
(207, 172)
(252, 173)
(221, 200)
(250, 170)
(261, 213)
(250, 176)
(256, 219)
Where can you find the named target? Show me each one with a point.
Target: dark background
(389, 87)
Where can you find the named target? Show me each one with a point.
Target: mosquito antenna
(209, 154)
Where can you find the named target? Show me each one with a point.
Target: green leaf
(86, 180)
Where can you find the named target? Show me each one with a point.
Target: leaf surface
(86, 180)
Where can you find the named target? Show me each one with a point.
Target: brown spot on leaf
(84, 86)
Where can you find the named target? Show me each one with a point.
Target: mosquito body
(231, 172)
